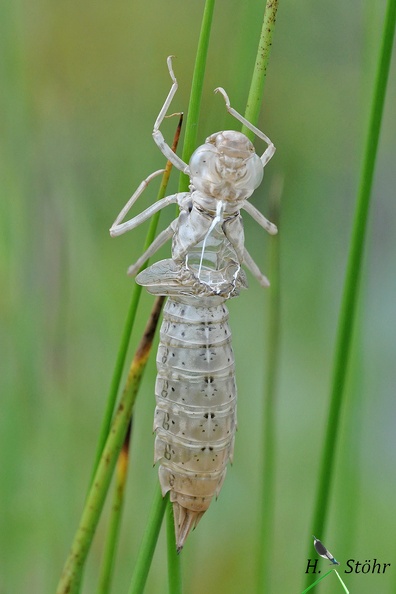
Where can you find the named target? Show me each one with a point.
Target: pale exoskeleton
(195, 416)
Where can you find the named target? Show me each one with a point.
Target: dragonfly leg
(119, 228)
(254, 269)
(260, 218)
(270, 150)
(154, 247)
(158, 136)
(114, 230)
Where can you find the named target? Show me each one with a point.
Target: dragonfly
(323, 552)
(195, 414)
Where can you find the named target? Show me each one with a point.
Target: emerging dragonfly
(195, 416)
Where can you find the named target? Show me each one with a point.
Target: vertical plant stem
(149, 542)
(151, 535)
(154, 523)
(317, 581)
(266, 526)
(107, 565)
(353, 274)
(71, 575)
(115, 517)
(120, 362)
(255, 97)
(194, 106)
(174, 568)
(252, 113)
(131, 316)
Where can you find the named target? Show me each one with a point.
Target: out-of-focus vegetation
(82, 84)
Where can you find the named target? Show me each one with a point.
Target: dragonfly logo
(311, 567)
(353, 566)
(323, 552)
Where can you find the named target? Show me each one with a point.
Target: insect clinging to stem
(195, 415)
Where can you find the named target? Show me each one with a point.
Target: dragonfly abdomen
(195, 416)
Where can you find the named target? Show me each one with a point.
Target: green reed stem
(174, 567)
(323, 577)
(343, 585)
(267, 498)
(107, 565)
(121, 355)
(256, 91)
(149, 542)
(154, 522)
(158, 510)
(109, 444)
(194, 106)
(353, 275)
(130, 319)
(120, 486)
(317, 581)
(252, 112)
(71, 575)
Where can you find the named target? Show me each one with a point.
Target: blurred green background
(81, 86)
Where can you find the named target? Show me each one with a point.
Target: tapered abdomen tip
(185, 521)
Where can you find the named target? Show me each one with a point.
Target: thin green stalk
(149, 542)
(252, 112)
(256, 91)
(121, 356)
(72, 572)
(317, 582)
(323, 577)
(353, 274)
(130, 319)
(266, 525)
(174, 566)
(343, 585)
(189, 145)
(194, 106)
(107, 565)
(114, 387)
(150, 538)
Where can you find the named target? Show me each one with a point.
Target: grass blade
(252, 112)
(343, 585)
(317, 582)
(353, 274)
(268, 447)
(149, 542)
(107, 565)
(150, 538)
(189, 145)
(119, 491)
(194, 106)
(131, 316)
(174, 563)
(255, 97)
(71, 575)
(110, 445)
(322, 578)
